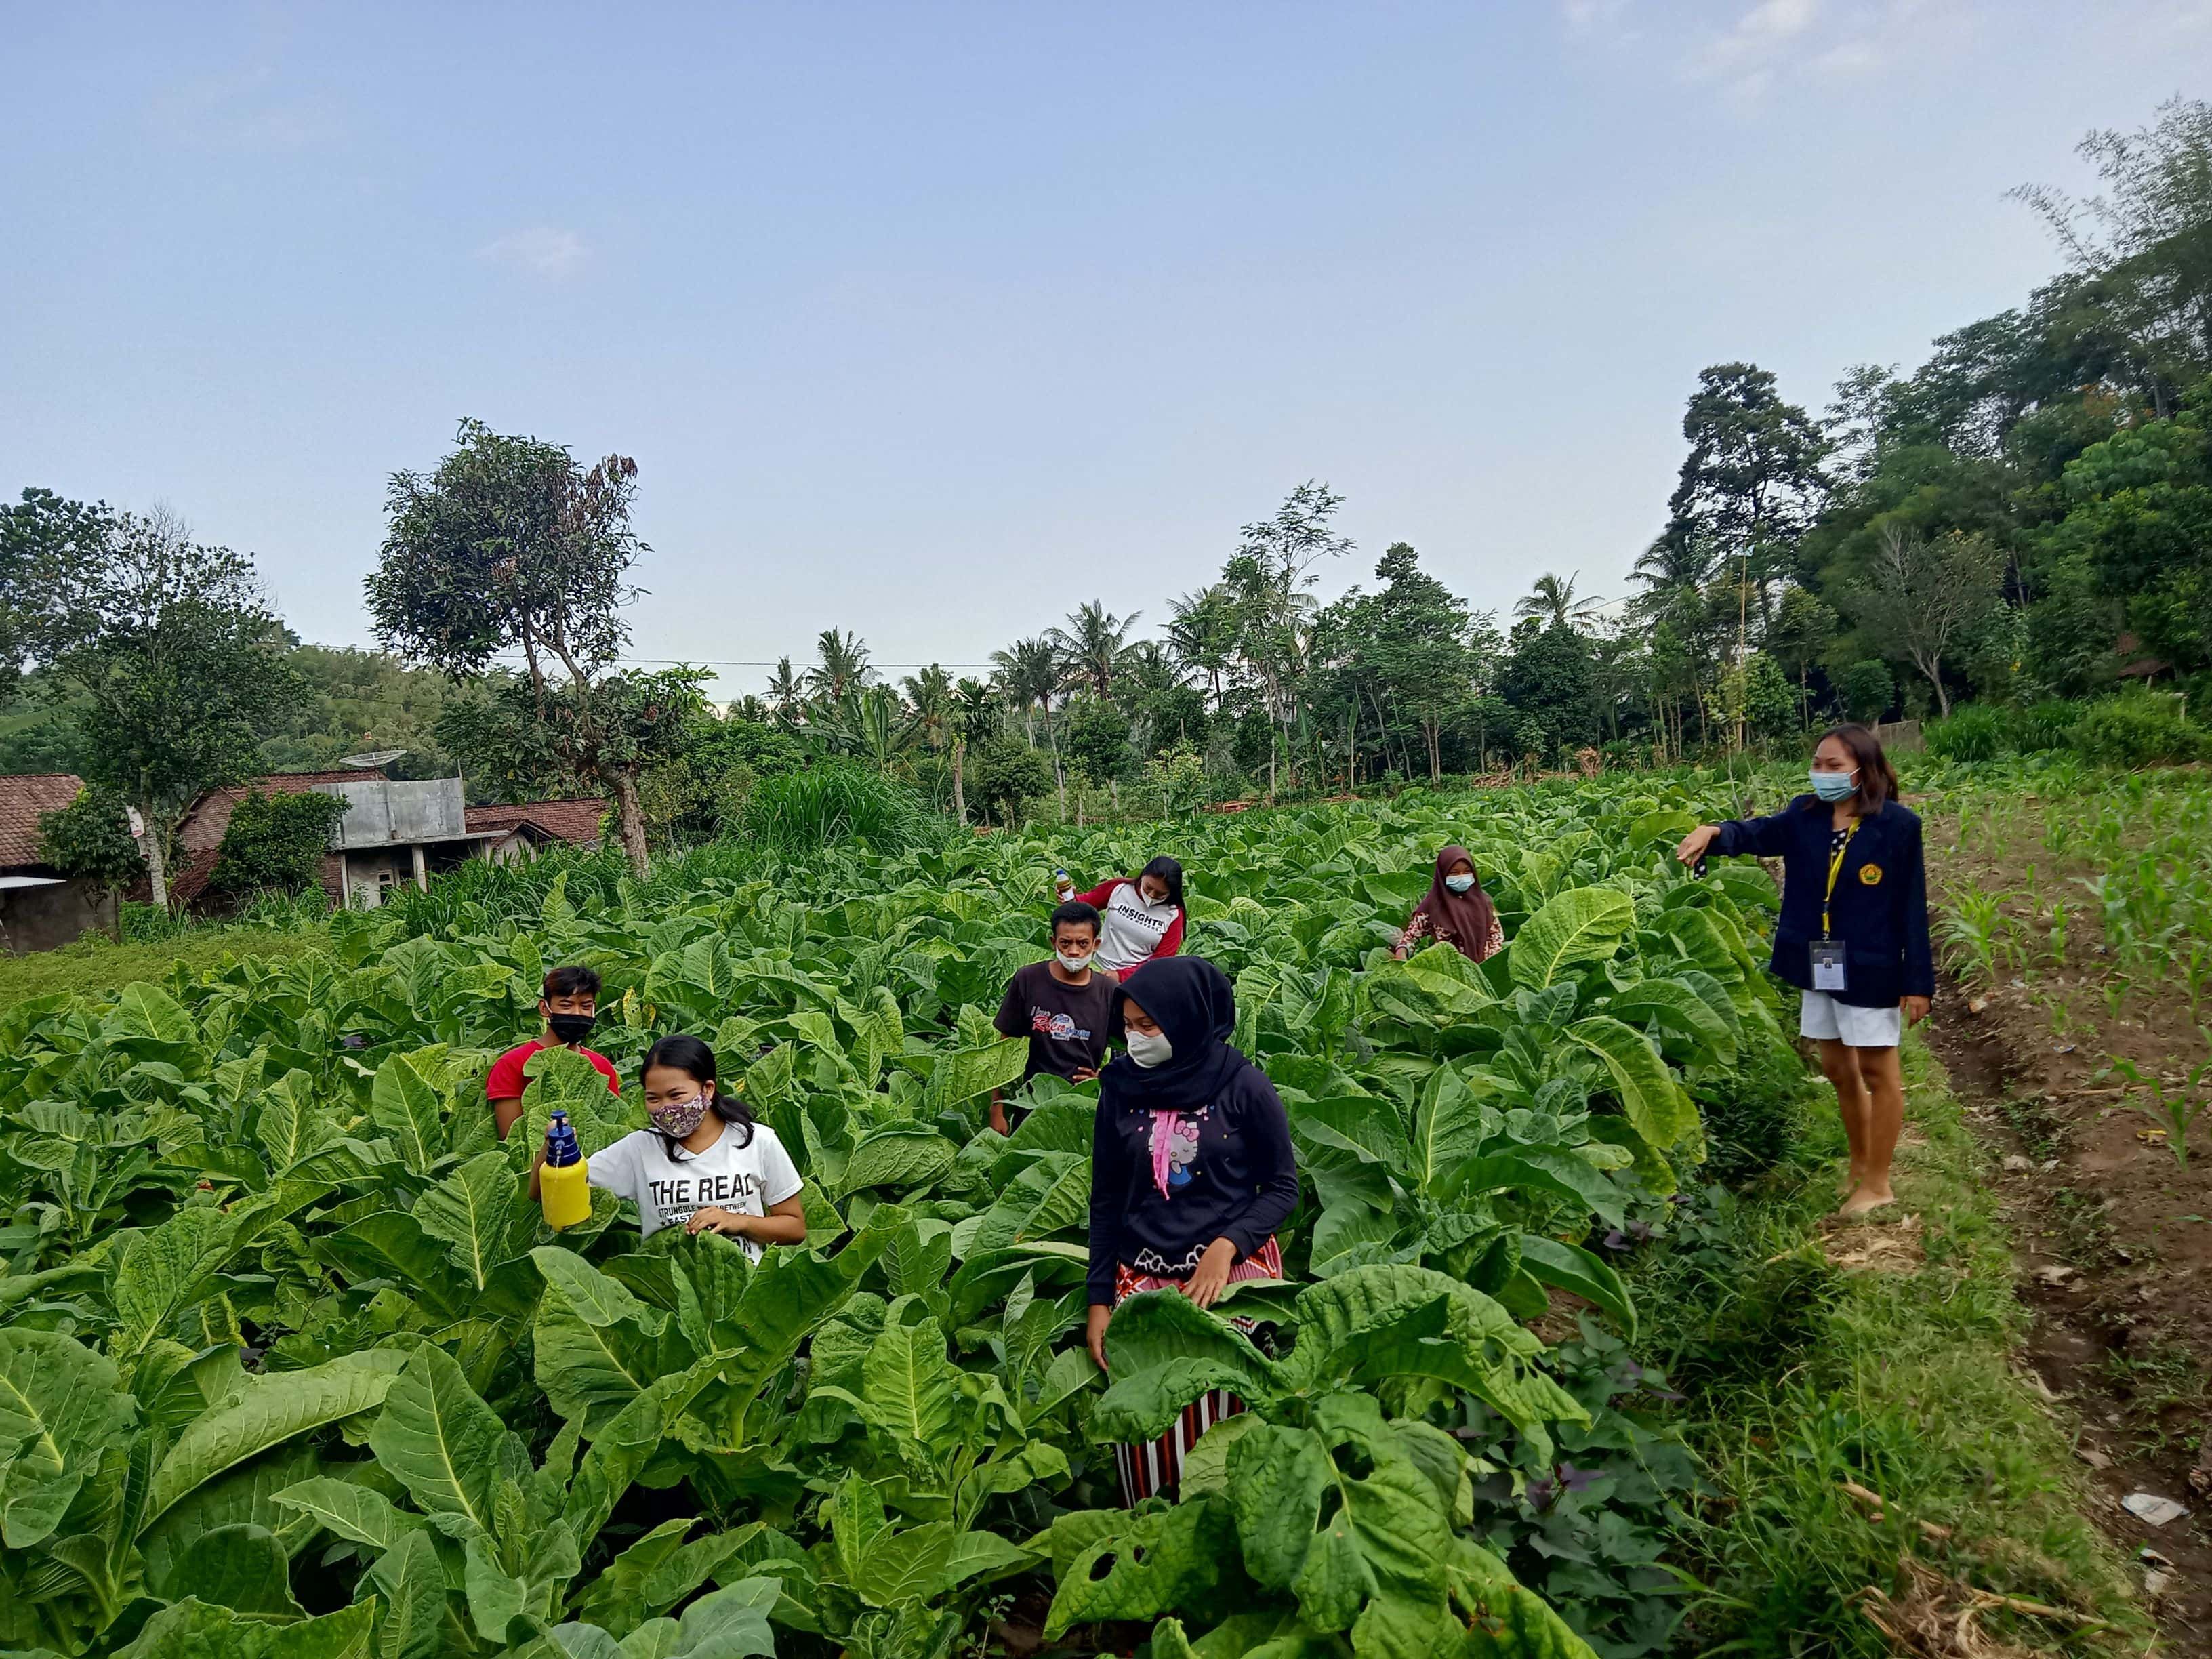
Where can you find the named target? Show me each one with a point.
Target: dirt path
(2114, 1243)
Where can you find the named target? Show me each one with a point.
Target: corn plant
(1970, 932)
(2172, 1112)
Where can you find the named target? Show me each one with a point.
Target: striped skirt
(1157, 1465)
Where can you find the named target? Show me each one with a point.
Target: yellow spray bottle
(563, 1186)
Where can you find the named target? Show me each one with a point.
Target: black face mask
(569, 1028)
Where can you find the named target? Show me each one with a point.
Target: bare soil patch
(2114, 1234)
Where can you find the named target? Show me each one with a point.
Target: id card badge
(1828, 965)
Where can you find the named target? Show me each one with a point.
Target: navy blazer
(1880, 908)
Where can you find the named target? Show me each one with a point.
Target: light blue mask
(1833, 787)
(1458, 884)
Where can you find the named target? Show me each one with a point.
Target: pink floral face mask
(678, 1118)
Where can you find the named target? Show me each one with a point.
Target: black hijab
(1194, 1005)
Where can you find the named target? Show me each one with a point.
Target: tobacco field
(290, 1366)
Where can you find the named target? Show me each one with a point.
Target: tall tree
(1203, 634)
(1031, 673)
(787, 691)
(1752, 480)
(47, 545)
(841, 665)
(1272, 579)
(2147, 239)
(929, 699)
(510, 546)
(1554, 599)
(176, 666)
(1404, 649)
(975, 722)
(1093, 646)
(1917, 595)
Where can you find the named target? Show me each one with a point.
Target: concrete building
(39, 910)
(394, 832)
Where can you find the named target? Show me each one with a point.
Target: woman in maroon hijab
(1454, 910)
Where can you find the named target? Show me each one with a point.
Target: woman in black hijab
(1191, 1172)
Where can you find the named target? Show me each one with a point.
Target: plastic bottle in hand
(563, 1183)
(1062, 886)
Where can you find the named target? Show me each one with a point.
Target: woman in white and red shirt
(1139, 918)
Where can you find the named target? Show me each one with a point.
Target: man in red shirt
(569, 1002)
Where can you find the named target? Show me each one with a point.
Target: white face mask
(1075, 962)
(1147, 1049)
(1458, 884)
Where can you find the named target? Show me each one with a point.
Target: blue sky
(930, 321)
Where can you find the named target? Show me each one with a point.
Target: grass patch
(1802, 1376)
(96, 964)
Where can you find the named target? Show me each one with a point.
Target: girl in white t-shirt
(705, 1163)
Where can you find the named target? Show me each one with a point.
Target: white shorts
(1821, 1016)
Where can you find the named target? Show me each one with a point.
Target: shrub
(1975, 731)
(1175, 781)
(2043, 725)
(1866, 690)
(1003, 774)
(89, 841)
(276, 843)
(2137, 728)
(829, 805)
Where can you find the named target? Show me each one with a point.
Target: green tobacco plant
(1314, 1513)
(260, 1245)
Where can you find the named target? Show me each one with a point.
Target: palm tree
(974, 712)
(749, 708)
(843, 666)
(1555, 598)
(1092, 645)
(929, 695)
(1203, 634)
(1031, 673)
(787, 691)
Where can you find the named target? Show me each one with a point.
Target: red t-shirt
(507, 1082)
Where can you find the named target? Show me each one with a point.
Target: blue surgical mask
(1458, 884)
(1833, 787)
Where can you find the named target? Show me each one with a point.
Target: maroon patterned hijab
(1466, 916)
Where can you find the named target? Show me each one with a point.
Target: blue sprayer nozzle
(560, 1147)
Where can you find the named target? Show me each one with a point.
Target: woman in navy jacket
(1853, 935)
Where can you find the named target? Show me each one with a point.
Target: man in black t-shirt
(1059, 1005)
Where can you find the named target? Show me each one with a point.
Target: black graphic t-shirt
(1065, 1024)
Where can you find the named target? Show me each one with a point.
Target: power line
(724, 662)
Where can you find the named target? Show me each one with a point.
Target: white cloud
(1760, 35)
(1593, 16)
(1849, 58)
(541, 250)
(1774, 42)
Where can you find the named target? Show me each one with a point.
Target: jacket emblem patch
(1870, 875)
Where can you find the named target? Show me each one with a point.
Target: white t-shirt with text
(745, 1180)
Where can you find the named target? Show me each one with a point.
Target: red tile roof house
(39, 910)
(396, 832)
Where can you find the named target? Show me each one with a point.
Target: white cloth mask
(1147, 1049)
(1075, 963)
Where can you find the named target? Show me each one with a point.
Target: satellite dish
(378, 757)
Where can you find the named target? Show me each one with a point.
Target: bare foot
(1863, 1200)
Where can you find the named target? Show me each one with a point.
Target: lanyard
(1835, 869)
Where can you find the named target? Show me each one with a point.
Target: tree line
(2025, 516)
